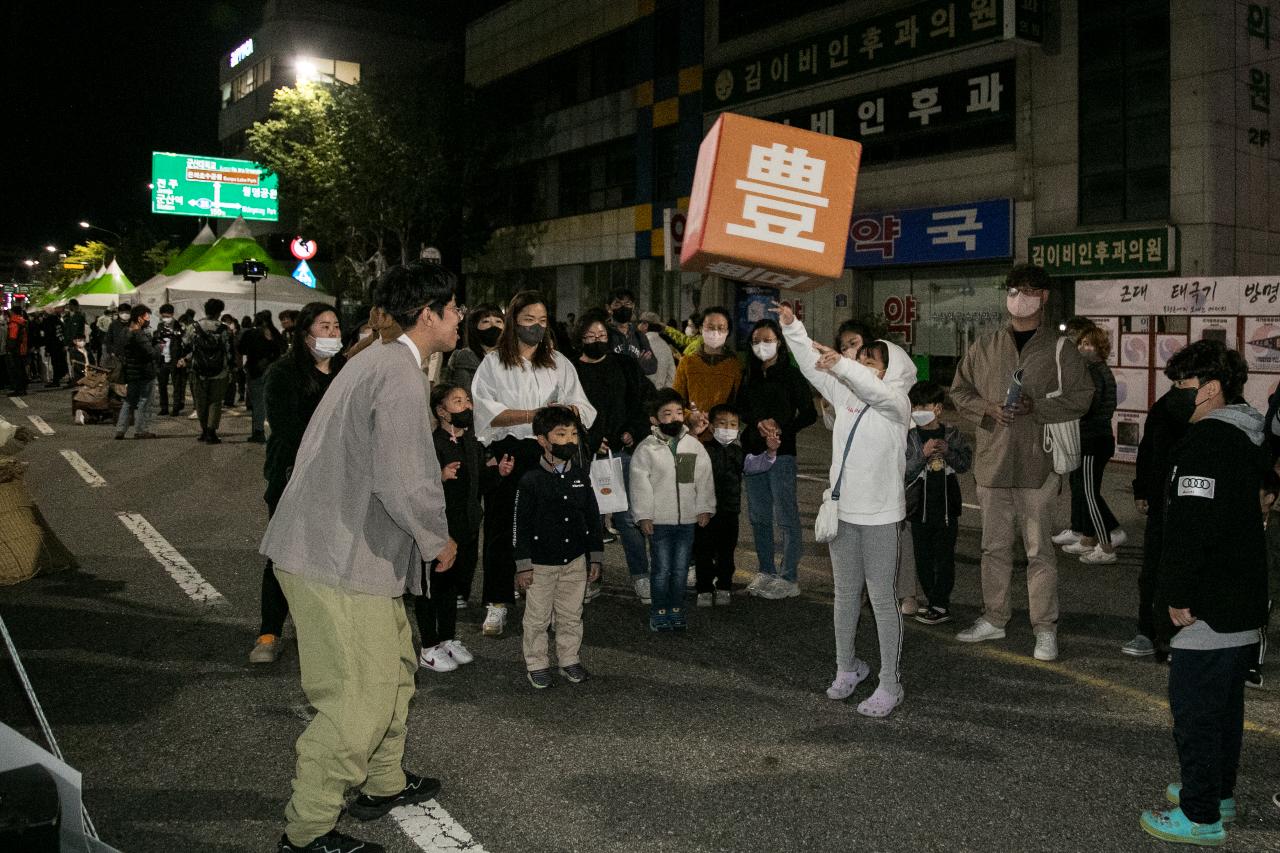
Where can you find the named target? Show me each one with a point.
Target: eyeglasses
(1025, 291)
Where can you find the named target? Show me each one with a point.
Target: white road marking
(810, 478)
(19, 402)
(184, 574)
(84, 469)
(433, 829)
(41, 424)
(971, 506)
(301, 710)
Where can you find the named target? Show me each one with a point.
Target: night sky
(90, 90)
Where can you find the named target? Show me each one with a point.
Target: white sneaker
(723, 597)
(1098, 557)
(193, 416)
(1077, 548)
(80, 417)
(780, 589)
(760, 583)
(495, 620)
(1046, 646)
(980, 630)
(462, 603)
(1066, 537)
(1118, 538)
(847, 682)
(909, 606)
(705, 599)
(642, 589)
(436, 658)
(460, 653)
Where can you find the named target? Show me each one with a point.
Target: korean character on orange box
(773, 198)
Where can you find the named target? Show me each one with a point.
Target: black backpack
(209, 354)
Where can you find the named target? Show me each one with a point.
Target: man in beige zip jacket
(1016, 481)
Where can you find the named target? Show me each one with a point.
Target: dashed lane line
(41, 424)
(19, 402)
(183, 573)
(83, 468)
(433, 829)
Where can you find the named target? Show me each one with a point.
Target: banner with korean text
(974, 231)
(771, 204)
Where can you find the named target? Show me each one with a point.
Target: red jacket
(16, 339)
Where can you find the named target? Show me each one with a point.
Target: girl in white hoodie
(871, 392)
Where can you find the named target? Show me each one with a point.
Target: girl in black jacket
(775, 400)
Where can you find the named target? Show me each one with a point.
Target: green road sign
(187, 185)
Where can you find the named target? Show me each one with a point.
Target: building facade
(1098, 138)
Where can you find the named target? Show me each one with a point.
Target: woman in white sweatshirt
(870, 392)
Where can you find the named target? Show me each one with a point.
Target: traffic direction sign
(186, 185)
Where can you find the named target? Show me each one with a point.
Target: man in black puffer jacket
(140, 356)
(1213, 580)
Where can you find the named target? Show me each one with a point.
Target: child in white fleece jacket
(869, 394)
(672, 490)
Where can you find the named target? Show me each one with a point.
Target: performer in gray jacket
(364, 506)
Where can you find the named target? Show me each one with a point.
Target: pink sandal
(881, 703)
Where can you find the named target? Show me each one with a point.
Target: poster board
(1135, 350)
(1132, 387)
(1128, 427)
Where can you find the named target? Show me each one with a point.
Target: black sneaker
(257, 438)
(333, 842)
(213, 438)
(417, 789)
(575, 672)
(933, 616)
(1253, 678)
(540, 678)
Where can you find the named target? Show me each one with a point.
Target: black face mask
(622, 315)
(489, 337)
(463, 419)
(1182, 403)
(596, 349)
(672, 429)
(531, 336)
(564, 452)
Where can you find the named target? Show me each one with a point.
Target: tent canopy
(190, 289)
(188, 256)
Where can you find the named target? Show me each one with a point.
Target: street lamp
(53, 250)
(86, 225)
(31, 263)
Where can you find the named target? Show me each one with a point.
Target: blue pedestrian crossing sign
(304, 274)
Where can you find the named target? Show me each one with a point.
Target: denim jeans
(139, 400)
(669, 569)
(258, 400)
(633, 545)
(771, 497)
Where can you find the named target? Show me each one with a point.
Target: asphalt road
(718, 740)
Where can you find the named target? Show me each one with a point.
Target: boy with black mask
(1213, 582)
(553, 570)
(625, 335)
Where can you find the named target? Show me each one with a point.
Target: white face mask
(765, 350)
(724, 435)
(715, 340)
(922, 418)
(1023, 305)
(326, 347)
(366, 333)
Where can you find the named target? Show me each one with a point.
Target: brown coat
(1014, 456)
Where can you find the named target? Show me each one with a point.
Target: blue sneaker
(1226, 808)
(540, 678)
(1173, 825)
(678, 620)
(575, 672)
(659, 621)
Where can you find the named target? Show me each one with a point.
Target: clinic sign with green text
(218, 187)
(1153, 251)
(915, 32)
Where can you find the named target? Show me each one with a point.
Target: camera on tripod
(250, 270)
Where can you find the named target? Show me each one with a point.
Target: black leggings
(1090, 514)
(275, 607)
(437, 612)
(499, 520)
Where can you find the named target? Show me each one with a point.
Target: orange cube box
(771, 204)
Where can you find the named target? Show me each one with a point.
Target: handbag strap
(1058, 358)
(835, 490)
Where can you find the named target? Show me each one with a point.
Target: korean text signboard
(1226, 296)
(977, 231)
(951, 112)
(907, 35)
(1087, 254)
(771, 204)
(212, 186)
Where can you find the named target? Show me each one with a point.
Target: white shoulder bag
(828, 522)
(1062, 439)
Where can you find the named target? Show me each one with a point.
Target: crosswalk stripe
(183, 573)
(433, 829)
(20, 403)
(41, 424)
(83, 468)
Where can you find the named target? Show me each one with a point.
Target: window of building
(315, 70)
(666, 41)
(589, 71)
(247, 83)
(1124, 111)
(602, 177)
(740, 17)
(666, 165)
(226, 95)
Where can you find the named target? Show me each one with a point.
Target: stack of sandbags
(27, 545)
